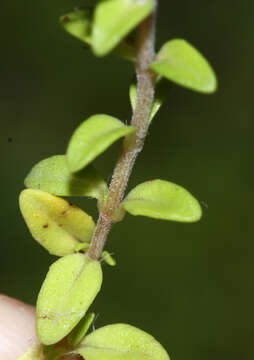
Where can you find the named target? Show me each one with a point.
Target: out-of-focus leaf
(70, 287)
(92, 138)
(115, 19)
(181, 63)
(162, 199)
(53, 175)
(56, 224)
(79, 23)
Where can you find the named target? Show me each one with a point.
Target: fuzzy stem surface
(132, 144)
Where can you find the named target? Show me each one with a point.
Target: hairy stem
(132, 144)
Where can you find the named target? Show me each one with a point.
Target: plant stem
(132, 144)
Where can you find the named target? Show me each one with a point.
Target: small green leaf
(57, 225)
(161, 93)
(108, 258)
(162, 200)
(53, 175)
(181, 63)
(114, 19)
(92, 138)
(78, 23)
(70, 287)
(32, 353)
(79, 332)
(81, 247)
(121, 342)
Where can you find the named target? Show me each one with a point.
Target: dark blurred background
(190, 285)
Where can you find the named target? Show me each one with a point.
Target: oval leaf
(79, 332)
(114, 19)
(92, 138)
(53, 175)
(70, 287)
(78, 23)
(181, 63)
(162, 200)
(57, 225)
(121, 342)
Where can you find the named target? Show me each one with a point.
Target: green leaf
(161, 92)
(79, 332)
(70, 287)
(53, 175)
(78, 23)
(115, 19)
(92, 138)
(108, 258)
(181, 63)
(121, 342)
(32, 353)
(56, 224)
(162, 200)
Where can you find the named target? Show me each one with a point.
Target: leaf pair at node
(111, 342)
(105, 26)
(60, 227)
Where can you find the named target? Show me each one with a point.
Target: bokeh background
(191, 286)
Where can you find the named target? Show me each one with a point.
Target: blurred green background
(191, 286)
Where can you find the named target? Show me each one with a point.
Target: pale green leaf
(115, 19)
(79, 332)
(70, 287)
(181, 63)
(53, 175)
(121, 342)
(161, 93)
(162, 199)
(79, 23)
(32, 353)
(108, 258)
(92, 138)
(56, 224)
